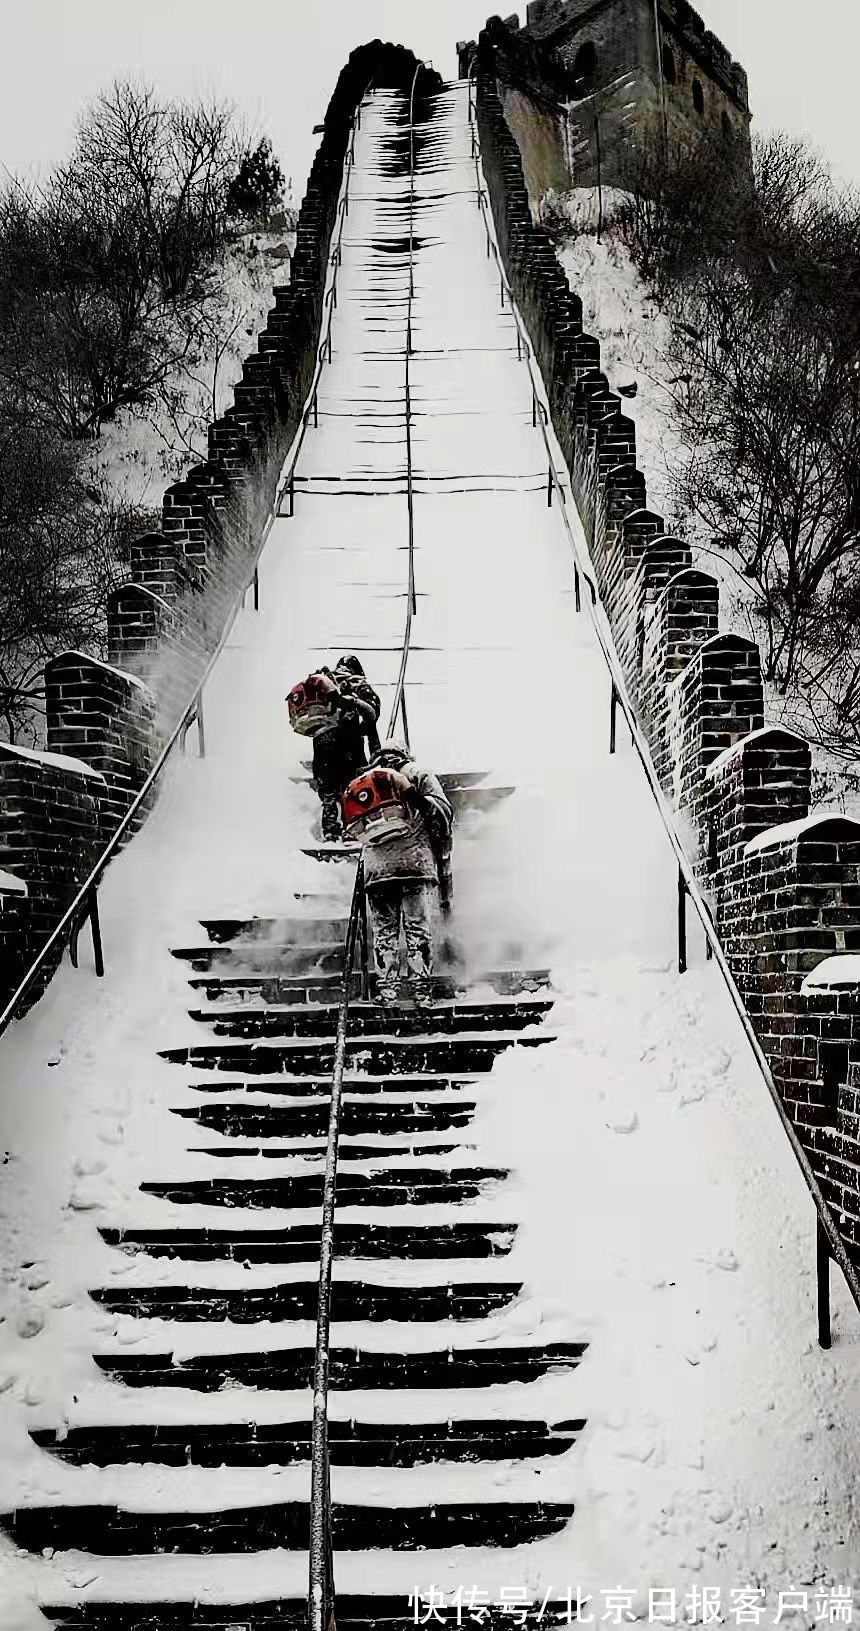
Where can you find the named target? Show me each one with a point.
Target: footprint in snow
(627, 1124)
(89, 1166)
(691, 1095)
(30, 1322)
(83, 1200)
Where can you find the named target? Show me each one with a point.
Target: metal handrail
(320, 1552)
(84, 902)
(399, 704)
(687, 881)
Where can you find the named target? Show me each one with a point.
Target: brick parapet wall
(681, 619)
(698, 694)
(106, 718)
(715, 702)
(52, 819)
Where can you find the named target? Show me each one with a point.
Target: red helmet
(311, 704)
(373, 799)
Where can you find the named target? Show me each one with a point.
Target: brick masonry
(52, 815)
(106, 721)
(784, 886)
(585, 81)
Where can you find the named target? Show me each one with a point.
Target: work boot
(386, 990)
(422, 990)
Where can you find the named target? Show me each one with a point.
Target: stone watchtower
(622, 68)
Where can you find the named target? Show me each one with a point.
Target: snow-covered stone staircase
(183, 1501)
(412, 1305)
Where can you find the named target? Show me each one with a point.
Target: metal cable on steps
(321, 1589)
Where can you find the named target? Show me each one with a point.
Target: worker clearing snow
(402, 819)
(339, 711)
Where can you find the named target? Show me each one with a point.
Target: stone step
(300, 1243)
(301, 958)
(351, 1444)
(448, 778)
(297, 1300)
(293, 988)
(284, 930)
(388, 1186)
(351, 1369)
(309, 1087)
(111, 1531)
(350, 1152)
(369, 1613)
(311, 1120)
(371, 1019)
(389, 1057)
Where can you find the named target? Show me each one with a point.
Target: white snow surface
(716, 766)
(57, 761)
(833, 973)
(662, 1217)
(788, 831)
(121, 673)
(10, 885)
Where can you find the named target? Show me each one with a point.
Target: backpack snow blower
(312, 705)
(374, 802)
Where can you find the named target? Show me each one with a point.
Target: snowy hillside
(142, 451)
(634, 334)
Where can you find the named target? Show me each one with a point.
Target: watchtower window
(698, 96)
(670, 72)
(585, 62)
(833, 1067)
(726, 123)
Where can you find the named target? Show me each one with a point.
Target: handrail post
(682, 923)
(96, 931)
(201, 733)
(403, 716)
(256, 589)
(822, 1275)
(549, 488)
(576, 593)
(364, 947)
(613, 716)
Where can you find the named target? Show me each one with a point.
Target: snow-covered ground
(662, 1217)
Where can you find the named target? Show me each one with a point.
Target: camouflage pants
(332, 827)
(406, 909)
